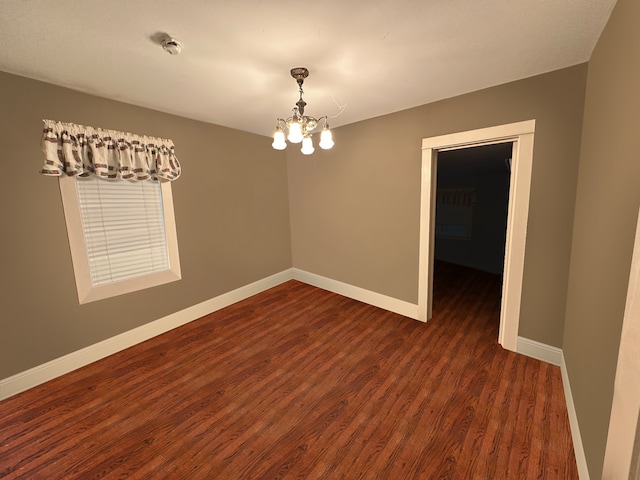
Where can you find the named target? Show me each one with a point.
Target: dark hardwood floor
(301, 383)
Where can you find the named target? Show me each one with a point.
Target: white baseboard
(372, 298)
(578, 448)
(554, 356)
(67, 363)
(539, 351)
(72, 361)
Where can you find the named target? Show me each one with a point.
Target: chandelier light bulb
(326, 139)
(279, 142)
(295, 132)
(307, 146)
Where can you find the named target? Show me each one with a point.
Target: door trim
(622, 451)
(521, 134)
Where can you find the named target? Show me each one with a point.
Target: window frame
(87, 292)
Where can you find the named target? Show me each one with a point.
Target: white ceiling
(372, 57)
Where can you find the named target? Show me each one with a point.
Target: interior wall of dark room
(483, 246)
(231, 212)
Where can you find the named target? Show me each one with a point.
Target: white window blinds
(124, 229)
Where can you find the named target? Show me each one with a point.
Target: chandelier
(299, 125)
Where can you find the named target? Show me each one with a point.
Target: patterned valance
(78, 150)
(458, 197)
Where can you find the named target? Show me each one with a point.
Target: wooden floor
(300, 383)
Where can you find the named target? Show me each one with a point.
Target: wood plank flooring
(301, 383)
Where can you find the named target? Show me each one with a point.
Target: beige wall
(608, 197)
(233, 222)
(355, 209)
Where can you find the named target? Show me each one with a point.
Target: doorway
(472, 200)
(520, 135)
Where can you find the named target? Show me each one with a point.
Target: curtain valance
(459, 197)
(78, 150)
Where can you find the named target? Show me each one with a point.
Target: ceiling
(366, 58)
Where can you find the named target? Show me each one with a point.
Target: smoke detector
(172, 46)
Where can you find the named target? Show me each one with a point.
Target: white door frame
(521, 134)
(622, 452)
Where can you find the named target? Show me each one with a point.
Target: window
(122, 235)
